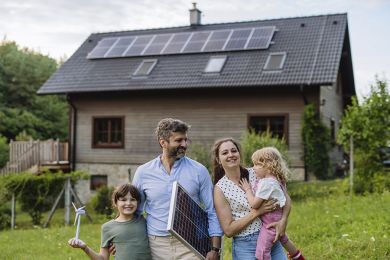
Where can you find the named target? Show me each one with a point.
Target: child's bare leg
(290, 247)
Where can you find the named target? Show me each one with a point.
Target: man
(154, 180)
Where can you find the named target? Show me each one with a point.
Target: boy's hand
(77, 243)
(111, 249)
(244, 184)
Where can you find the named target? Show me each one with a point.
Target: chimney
(195, 15)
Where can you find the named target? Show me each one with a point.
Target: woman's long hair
(218, 171)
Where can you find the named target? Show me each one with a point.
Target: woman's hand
(77, 243)
(280, 228)
(267, 206)
(244, 184)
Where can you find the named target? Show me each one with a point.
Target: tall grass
(333, 227)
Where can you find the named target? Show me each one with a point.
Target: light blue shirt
(155, 186)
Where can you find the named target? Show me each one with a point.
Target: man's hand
(212, 255)
(280, 228)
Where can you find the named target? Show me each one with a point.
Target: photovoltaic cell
(177, 43)
(261, 38)
(188, 222)
(120, 47)
(196, 42)
(157, 44)
(216, 41)
(101, 48)
(238, 39)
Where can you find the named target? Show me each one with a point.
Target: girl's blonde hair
(272, 160)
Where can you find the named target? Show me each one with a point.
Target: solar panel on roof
(261, 38)
(157, 44)
(101, 48)
(216, 41)
(195, 42)
(177, 43)
(119, 47)
(188, 222)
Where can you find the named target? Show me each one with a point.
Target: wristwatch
(216, 249)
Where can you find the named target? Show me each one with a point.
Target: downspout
(73, 133)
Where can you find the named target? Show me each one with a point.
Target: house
(220, 78)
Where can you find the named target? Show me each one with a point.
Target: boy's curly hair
(271, 159)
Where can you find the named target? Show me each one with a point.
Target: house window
(108, 132)
(145, 67)
(98, 181)
(277, 125)
(215, 64)
(275, 61)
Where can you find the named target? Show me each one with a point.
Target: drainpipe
(73, 133)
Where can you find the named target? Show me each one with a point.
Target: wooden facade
(212, 114)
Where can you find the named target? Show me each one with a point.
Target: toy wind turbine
(79, 212)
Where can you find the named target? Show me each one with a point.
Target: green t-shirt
(130, 238)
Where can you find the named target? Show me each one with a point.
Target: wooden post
(351, 165)
(67, 202)
(58, 151)
(13, 204)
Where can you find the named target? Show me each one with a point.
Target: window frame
(135, 73)
(224, 57)
(95, 188)
(108, 145)
(286, 122)
(265, 68)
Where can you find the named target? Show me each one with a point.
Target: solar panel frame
(178, 211)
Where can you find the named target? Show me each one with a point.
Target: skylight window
(275, 61)
(215, 64)
(145, 67)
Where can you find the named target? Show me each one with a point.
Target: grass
(334, 227)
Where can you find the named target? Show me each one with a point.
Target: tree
(316, 144)
(369, 126)
(22, 72)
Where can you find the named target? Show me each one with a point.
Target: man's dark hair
(167, 126)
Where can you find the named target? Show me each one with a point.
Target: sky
(58, 27)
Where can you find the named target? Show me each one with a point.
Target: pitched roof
(313, 45)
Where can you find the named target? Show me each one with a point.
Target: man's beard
(177, 153)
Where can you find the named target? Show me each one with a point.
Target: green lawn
(331, 228)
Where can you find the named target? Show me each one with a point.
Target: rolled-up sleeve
(137, 182)
(206, 196)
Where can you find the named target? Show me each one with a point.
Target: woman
(236, 217)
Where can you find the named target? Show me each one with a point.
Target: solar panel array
(188, 222)
(176, 43)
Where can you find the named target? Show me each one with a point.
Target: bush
(36, 194)
(200, 153)
(316, 143)
(101, 202)
(4, 151)
(5, 217)
(252, 141)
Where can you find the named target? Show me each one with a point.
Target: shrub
(36, 194)
(101, 202)
(200, 153)
(4, 151)
(252, 141)
(5, 217)
(316, 143)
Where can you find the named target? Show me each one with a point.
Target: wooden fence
(25, 154)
